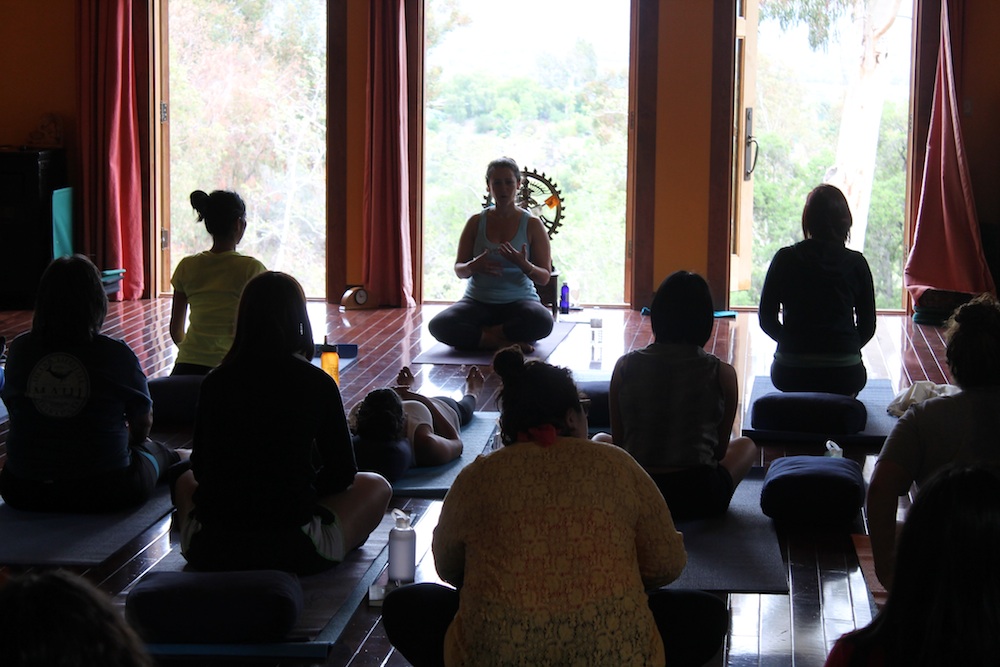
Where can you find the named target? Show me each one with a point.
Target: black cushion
(813, 490)
(175, 401)
(215, 607)
(808, 412)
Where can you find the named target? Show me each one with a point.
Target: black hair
(221, 211)
(826, 214)
(503, 163)
(272, 320)
(71, 304)
(57, 618)
(944, 606)
(682, 310)
(533, 394)
(380, 416)
(973, 348)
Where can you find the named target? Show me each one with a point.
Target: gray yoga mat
(737, 552)
(434, 481)
(445, 354)
(51, 539)
(876, 396)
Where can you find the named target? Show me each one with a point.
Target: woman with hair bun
(210, 282)
(960, 428)
(553, 542)
(826, 297)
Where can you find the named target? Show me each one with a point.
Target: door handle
(751, 149)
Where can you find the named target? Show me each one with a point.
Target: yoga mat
(3, 412)
(876, 395)
(50, 539)
(445, 354)
(330, 600)
(434, 481)
(737, 552)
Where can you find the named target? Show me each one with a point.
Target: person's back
(553, 547)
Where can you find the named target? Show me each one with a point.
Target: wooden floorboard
(827, 594)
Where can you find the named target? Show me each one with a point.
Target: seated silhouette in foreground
(398, 428)
(273, 482)
(557, 545)
(79, 404)
(58, 619)
(944, 606)
(673, 404)
(961, 428)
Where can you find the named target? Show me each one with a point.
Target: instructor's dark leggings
(461, 324)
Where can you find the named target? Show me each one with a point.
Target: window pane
(248, 113)
(546, 83)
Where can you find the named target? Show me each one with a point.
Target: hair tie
(543, 435)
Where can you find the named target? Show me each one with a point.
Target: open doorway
(823, 96)
(245, 104)
(546, 83)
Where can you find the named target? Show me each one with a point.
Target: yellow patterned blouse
(553, 549)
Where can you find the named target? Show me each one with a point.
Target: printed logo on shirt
(58, 385)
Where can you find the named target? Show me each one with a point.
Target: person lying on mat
(673, 404)
(273, 483)
(553, 542)
(944, 608)
(827, 302)
(397, 428)
(504, 253)
(79, 405)
(959, 428)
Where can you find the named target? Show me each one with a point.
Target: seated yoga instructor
(397, 428)
(825, 294)
(558, 546)
(504, 253)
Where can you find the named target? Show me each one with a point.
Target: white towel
(917, 392)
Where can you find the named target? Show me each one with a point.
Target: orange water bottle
(329, 360)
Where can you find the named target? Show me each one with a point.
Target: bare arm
(731, 397)
(465, 263)
(178, 317)
(889, 481)
(138, 428)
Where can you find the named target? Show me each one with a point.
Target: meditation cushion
(175, 401)
(599, 417)
(813, 490)
(215, 607)
(809, 412)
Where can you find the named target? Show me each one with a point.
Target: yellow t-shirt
(553, 549)
(213, 283)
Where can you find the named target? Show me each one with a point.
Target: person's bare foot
(474, 382)
(405, 377)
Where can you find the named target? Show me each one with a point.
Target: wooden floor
(827, 595)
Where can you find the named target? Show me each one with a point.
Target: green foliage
(248, 113)
(818, 15)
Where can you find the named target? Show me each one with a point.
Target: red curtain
(111, 175)
(386, 265)
(947, 252)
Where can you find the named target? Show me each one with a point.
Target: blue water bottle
(564, 299)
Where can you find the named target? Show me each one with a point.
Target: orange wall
(37, 66)
(684, 96)
(981, 105)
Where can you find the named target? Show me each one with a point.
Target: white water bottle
(402, 549)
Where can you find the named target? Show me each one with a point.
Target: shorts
(696, 492)
(313, 547)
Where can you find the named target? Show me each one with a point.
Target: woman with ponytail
(553, 542)
(210, 282)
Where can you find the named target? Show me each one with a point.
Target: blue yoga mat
(876, 396)
(53, 539)
(434, 481)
